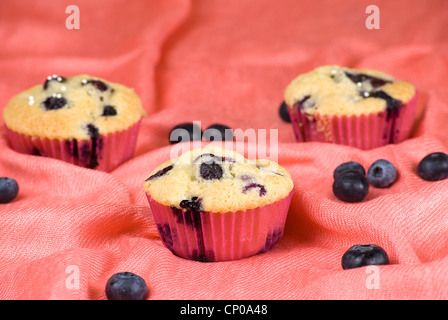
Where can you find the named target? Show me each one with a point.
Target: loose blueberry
(433, 167)
(210, 170)
(126, 286)
(284, 113)
(109, 111)
(218, 132)
(100, 85)
(381, 174)
(9, 189)
(185, 132)
(54, 102)
(348, 166)
(351, 186)
(53, 78)
(361, 255)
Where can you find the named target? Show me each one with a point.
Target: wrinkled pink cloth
(229, 61)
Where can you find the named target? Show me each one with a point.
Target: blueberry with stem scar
(126, 286)
(381, 174)
(364, 255)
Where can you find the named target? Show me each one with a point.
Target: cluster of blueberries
(351, 184)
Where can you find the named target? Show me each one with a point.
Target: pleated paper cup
(207, 236)
(104, 153)
(364, 132)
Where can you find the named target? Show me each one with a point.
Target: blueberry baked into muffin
(81, 119)
(361, 108)
(213, 204)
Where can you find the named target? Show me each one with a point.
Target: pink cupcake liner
(206, 236)
(103, 153)
(363, 132)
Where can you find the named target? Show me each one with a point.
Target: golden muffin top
(214, 179)
(335, 91)
(63, 108)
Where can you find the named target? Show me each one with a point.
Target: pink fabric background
(223, 61)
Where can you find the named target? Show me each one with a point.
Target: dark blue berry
(92, 131)
(261, 188)
(53, 78)
(160, 173)
(54, 102)
(94, 135)
(391, 103)
(361, 255)
(185, 132)
(361, 77)
(126, 286)
(218, 132)
(284, 113)
(9, 189)
(100, 85)
(381, 174)
(433, 167)
(348, 166)
(194, 204)
(109, 111)
(351, 186)
(210, 170)
(192, 214)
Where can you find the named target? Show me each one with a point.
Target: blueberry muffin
(361, 108)
(81, 119)
(213, 204)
